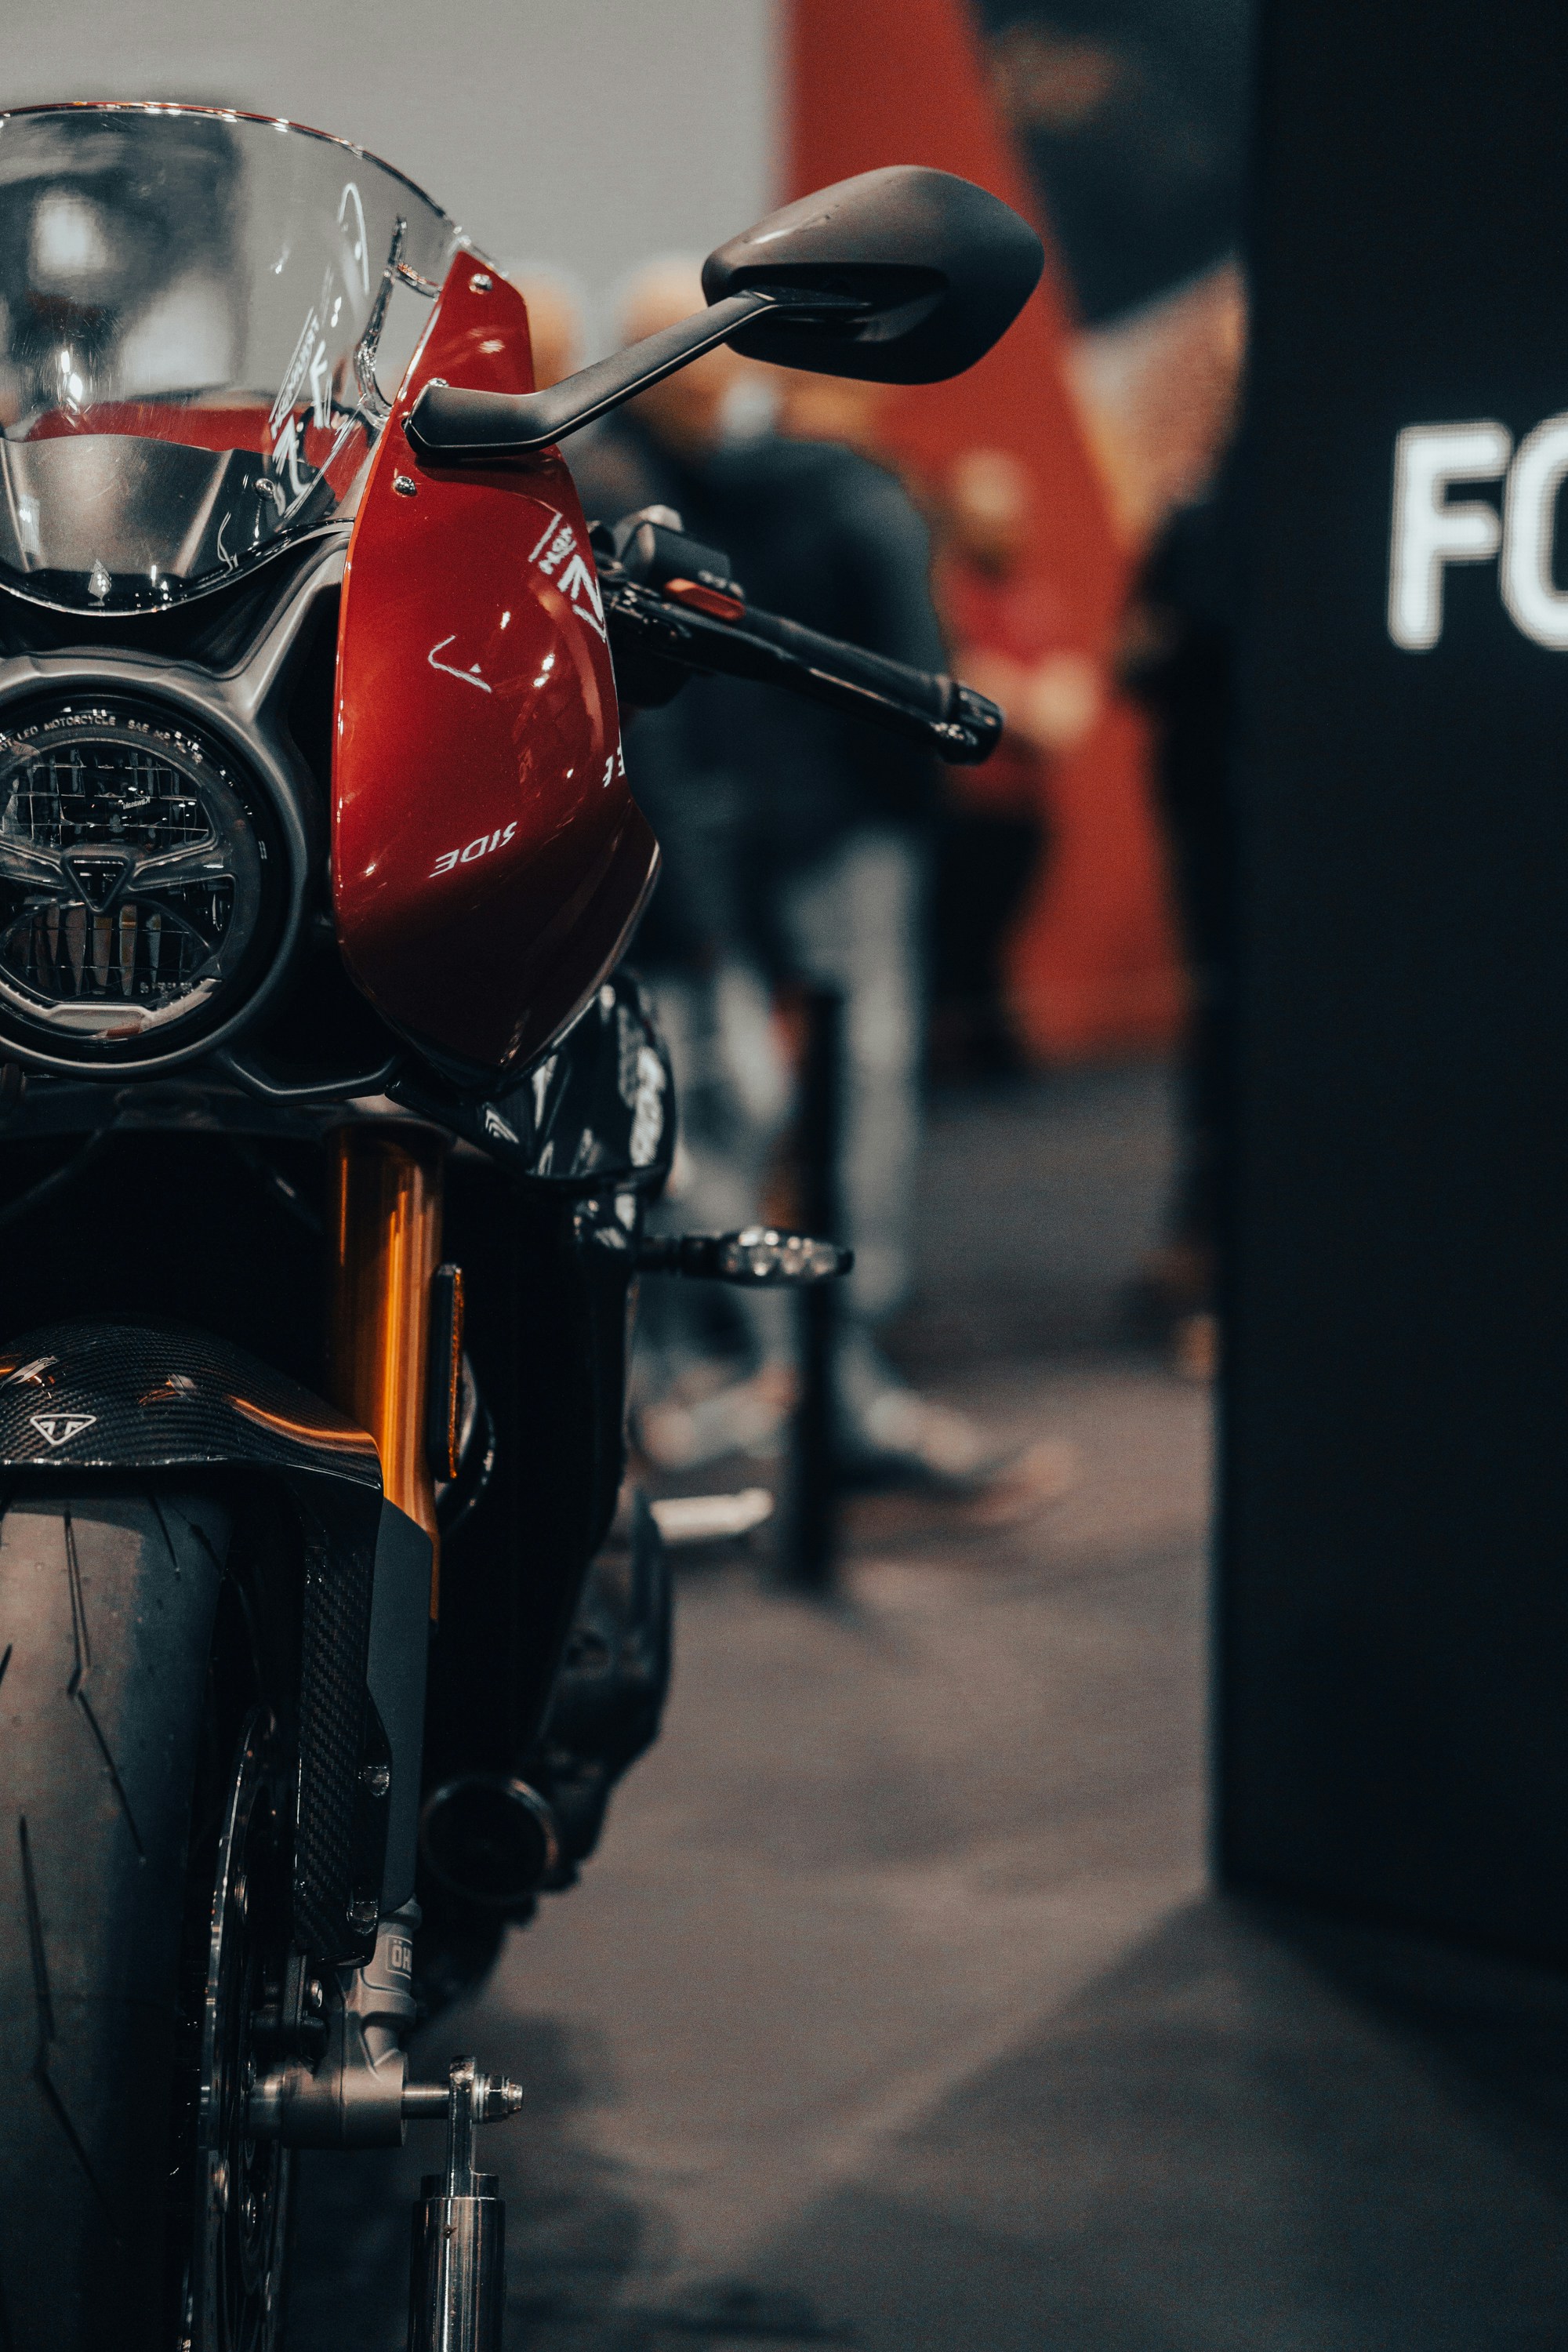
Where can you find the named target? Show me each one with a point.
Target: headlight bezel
(240, 756)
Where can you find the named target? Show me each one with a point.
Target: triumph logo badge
(59, 1428)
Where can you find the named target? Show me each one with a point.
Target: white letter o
(1537, 605)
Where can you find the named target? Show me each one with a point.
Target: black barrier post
(808, 1532)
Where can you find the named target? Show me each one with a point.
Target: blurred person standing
(1178, 659)
(839, 827)
(657, 452)
(714, 1371)
(814, 868)
(836, 821)
(1005, 625)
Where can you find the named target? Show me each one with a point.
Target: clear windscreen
(204, 320)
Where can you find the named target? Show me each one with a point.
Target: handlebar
(684, 610)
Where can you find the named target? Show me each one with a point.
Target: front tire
(132, 1672)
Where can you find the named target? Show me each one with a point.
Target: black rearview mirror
(919, 274)
(903, 276)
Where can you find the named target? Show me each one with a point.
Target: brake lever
(703, 625)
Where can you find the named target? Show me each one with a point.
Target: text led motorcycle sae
(328, 1119)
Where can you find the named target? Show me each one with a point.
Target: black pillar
(1392, 1727)
(809, 1527)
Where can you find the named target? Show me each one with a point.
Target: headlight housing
(141, 881)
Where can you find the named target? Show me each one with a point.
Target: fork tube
(386, 1232)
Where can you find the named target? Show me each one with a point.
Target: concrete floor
(893, 2011)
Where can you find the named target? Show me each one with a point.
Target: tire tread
(107, 1596)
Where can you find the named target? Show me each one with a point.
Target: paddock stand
(457, 2289)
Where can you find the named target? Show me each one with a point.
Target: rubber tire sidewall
(109, 1600)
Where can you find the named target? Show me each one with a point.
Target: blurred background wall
(585, 135)
(590, 137)
(1117, 125)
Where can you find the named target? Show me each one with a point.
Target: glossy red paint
(487, 859)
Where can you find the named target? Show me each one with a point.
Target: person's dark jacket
(823, 537)
(744, 783)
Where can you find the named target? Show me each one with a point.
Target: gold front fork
(386, 1210)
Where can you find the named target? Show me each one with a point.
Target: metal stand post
(808, 1535)
(457, 2299)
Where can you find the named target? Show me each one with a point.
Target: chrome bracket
(356, 2094)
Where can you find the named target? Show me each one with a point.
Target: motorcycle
(330, 1116)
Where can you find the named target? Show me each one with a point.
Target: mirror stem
(447, 426)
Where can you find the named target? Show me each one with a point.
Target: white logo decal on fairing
(469, 676)
(59, 1428)
(480, 846)
(578, 583)
(562, 541)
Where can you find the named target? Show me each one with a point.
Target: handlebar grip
(916, 689)
(960, 726)
(955, 721)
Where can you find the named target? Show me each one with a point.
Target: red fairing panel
(487, 859)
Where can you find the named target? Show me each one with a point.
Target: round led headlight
(141, 882)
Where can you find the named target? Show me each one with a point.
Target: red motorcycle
(318, 860)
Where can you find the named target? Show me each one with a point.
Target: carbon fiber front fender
(118, 1396)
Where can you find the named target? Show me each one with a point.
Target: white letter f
(1428, 533)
